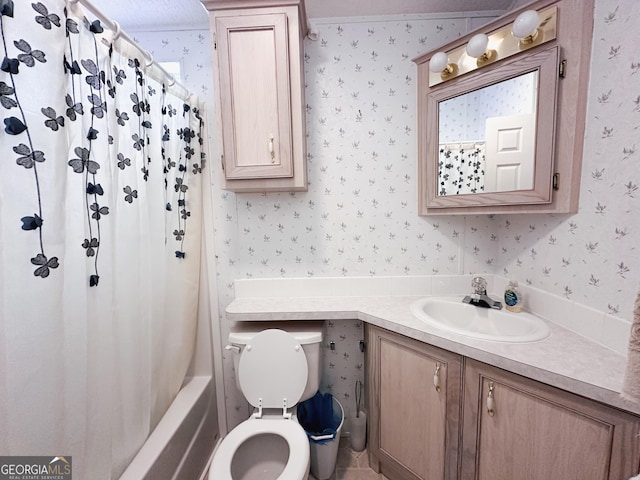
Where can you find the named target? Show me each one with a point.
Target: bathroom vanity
(447, 406)
(437, 415)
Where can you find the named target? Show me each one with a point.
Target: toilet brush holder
(358, 433)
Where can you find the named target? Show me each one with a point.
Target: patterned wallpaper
(359, 216)
(593, 257)
(192, 49)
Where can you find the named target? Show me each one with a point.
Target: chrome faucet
(480, 298)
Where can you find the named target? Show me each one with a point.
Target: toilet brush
(358, 434)
(358, 397)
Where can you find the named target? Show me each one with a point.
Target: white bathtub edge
(165, 432)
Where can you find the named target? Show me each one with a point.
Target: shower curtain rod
(119, 33)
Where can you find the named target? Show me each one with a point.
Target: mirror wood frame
(573, 42)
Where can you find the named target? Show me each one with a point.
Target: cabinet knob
(271, 149)
(491, 407)
(436, 377)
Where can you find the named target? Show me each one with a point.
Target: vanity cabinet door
(260, 90)
(414, 402)
(516, 428)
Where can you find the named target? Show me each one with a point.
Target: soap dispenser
(513, 297)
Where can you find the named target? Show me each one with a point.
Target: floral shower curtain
(100, 208)
(461, 168)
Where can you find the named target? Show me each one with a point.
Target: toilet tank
(307, 333)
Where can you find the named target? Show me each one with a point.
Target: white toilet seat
(297, 466)
(273, 370)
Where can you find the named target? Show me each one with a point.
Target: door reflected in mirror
(487, 137)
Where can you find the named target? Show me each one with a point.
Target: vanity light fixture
(477, 48)
(530, 28)
(525, 27)
(440, 63)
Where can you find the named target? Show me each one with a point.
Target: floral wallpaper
(359, 216)
(192, 49)
(343, 365)
(592, 257)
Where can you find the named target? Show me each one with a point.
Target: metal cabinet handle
(436, 377)
(272, 149)
(491, 407)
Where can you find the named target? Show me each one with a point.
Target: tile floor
(352, 465)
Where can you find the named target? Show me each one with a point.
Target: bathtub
(181, 444)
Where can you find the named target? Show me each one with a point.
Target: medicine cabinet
(504, 133)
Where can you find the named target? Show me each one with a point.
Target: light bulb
(438, 62)
(477, 45)
(477, 48)
(526, 24)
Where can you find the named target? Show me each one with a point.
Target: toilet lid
(273, 367)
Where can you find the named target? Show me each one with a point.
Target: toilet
(277, 366)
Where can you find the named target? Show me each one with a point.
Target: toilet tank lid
(305, 332)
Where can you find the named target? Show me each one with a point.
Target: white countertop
(564, 359)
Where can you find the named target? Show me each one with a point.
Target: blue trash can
(322, 417)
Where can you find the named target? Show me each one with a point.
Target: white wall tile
(588, 322)
(295, 288)
(616, 334)
(321, 287)
(421, 285)
(380, 286)
(343, 286)
(361, 286)
(551, 307)
(441, 285)
(401, 285)
(461, 284)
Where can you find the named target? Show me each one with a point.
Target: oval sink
(449, 313)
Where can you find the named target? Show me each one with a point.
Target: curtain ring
(118, 30)
(172, 81)
(149, 58)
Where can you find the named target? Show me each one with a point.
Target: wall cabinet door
(414, 403)
(515, 428)
(260, 91)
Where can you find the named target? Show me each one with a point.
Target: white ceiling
(150, 15)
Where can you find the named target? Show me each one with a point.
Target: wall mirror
(485, 138)
(490, 136)
(503, 131)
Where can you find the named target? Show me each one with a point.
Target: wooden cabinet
(414, 407)
(258, 60)
(485, 423)
(515, 428)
